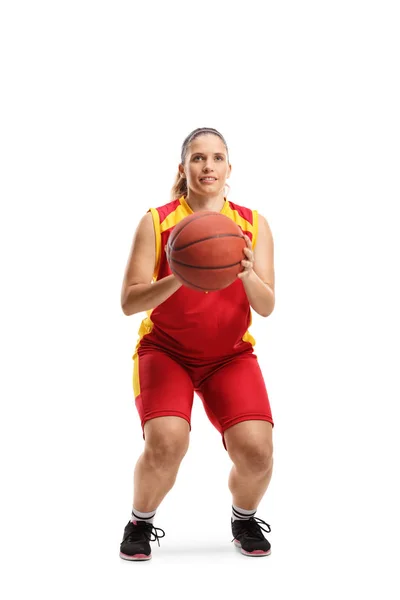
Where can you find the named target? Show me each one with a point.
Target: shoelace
(132, 536)
(251, 528)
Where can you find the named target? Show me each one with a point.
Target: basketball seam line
(204, 214)
(201, 267)
(211, 237)
(193, 219)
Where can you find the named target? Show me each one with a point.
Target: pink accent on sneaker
(254, 552)
(258, 552)
(135, 556)
(134, 522)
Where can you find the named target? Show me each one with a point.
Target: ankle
(142, 516)
(242, 514)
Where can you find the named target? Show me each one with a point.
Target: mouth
(208, 179)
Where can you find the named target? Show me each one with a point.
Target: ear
(181, 169)
(229, 171)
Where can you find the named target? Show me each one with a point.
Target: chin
(215, 191)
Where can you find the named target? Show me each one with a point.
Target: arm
(259, 276)
(138, 294)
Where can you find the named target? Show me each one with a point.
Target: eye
(219, 157)
(196, 157)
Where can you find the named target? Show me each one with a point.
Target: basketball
(205, 251)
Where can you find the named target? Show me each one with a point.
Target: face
(206, 165)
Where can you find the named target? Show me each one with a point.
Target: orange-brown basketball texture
(205, 251)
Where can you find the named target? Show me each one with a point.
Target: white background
(97, 98)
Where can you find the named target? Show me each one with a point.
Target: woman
(195, 341)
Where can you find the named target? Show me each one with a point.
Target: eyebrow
(203, 154)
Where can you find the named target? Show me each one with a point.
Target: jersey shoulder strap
(165, 217)
(246, 218)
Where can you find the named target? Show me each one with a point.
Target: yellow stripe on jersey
(136, 379)
(239, 220)
(247, 336)
(255, 228)
(146, 327)
(156, 223)
(173, 218)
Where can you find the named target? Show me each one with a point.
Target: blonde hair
(180, 184)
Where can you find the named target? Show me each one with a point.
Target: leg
(167, 441)
(155, 473)
(249, 445)
(236, 401)
(164, 398)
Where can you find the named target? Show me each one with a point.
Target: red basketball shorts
(232, 390)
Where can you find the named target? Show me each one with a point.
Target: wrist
(177, 282)
(250, 278)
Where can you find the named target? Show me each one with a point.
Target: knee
(167, 450)
(167, 441)
(253, 457)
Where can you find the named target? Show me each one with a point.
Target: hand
(248, 262)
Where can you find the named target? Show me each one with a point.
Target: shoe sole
(254, 552)
(135, 556)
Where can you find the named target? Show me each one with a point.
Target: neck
(196, 203)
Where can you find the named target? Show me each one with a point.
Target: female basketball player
(194, 341)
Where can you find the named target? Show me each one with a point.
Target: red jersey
(196, 326)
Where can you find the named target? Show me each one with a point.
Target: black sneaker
(248, 537)
(135, 544)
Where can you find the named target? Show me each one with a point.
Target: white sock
(241, 513)
(142, 516)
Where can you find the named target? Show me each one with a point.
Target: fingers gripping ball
(205, 251)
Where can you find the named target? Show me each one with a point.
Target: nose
(207, 167)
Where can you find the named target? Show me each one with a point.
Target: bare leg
(248, 487)
(249, 446)
(167, 441)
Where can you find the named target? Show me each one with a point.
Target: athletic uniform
(199, 342)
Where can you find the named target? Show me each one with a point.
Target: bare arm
(259, 274)
(138, 294)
